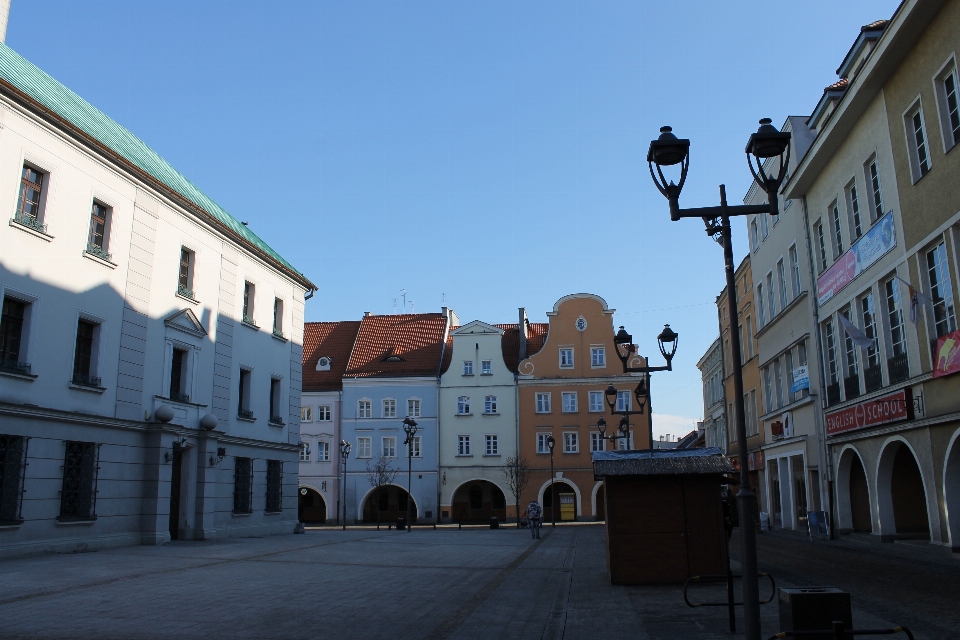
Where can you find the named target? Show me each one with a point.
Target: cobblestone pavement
(912, 583)
(362, 583)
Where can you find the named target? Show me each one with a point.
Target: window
(324, 413)
(778, 383)
(569, 401)
(898, 340)
(771, 297)
(97, 238)
(597, 443)
(624, 402)
(490, 404)
(875, 189)
(463, 445)
(243, 406)
(388, 446)
(78, 494)
(829, 344)
(85, 353)
(542, 446)
(364, 446)
(306, 414)
(749, 336)
(837, 232)
(305, 452)
(742, 344)
(761, 314)
(596, 401)
(463, 405)
(414, 447)
(623, 445)
(185, 278)
(949, 112)
(850, 349)
(364, 409)
(821, 247)
(178, 376)
(543, 403)
(869, 328)
(570, 443)
(917, 143)
(11, 335)
(323, 451)
(30, 199)
(468, 367)
(782, 282)
(249, 298)
(413, 407)
(274, 486)
(764, 226)
(278, 317)
(486, 367)
(795, 270)
(768, 389)
(243, 486)
(754, 419)
(492, 445)
(566, 358)
(788, 374)
(598, 357)
(13, 461)
(944, 317)
(389, 408)
(853, 203)
(754, 237)
(275, 401)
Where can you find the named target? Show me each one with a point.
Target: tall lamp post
(551, 443)
(410, 428)
(667, 341)
(344, 454)
(766, 143)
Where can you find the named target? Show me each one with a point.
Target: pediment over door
(186, 322)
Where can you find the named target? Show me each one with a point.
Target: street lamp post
(623, 341)
(410, 428)
(766, 143)
(551, 443)
(344, 454)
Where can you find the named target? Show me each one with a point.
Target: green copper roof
(40, 86)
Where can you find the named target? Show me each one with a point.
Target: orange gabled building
(561, 393)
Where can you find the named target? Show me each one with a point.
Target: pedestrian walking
(535, 514)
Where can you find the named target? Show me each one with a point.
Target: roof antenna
(413, 307)
(394, 306)
(443, 299)
(403, 292)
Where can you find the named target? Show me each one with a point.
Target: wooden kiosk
(664, 513)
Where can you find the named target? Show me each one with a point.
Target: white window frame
(463, 446)
(595, 400)
(324, 413)
(543, 402)
(490, 405)
(364, 446)
(491, 444)
(305, 453)
(463, 406)
(413, 407)
(417, 451)
(795, 281)
(871, 172)
(306, 414)
(468, 367)
(920, 163)
(323, 451)
(486, 367)
(542, 446)
(364, 408)
(568, 402)
(388, 406)
(571, 442)
(624, 400)
(949, 134)
(566, 357)
(598, 358)
(388, 446)
(597, 443)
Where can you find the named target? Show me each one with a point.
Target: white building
(139, 400)
(714, 419)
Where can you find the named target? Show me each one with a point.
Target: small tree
(516, 471)
(380, 474)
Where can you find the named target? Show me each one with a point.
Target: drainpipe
(4, 18)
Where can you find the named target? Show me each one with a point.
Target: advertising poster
(871, 246)
(801, 379)
(948, 355)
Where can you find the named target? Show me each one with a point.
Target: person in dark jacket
(535, 514)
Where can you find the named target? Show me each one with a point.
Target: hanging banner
(947, 355)
(871, 246)
(892, 407)
(801, 379)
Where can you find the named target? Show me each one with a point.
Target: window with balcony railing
(898, 368)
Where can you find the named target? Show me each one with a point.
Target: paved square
(474, 583)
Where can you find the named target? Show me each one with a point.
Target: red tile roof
(333, 340)
(838, 85)
(510, 344)
(537, 337)
(401, 345)
(879, 24)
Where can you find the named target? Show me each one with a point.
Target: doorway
(175, 477)
(563, 504)
(312, 508)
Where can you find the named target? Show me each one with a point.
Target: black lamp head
(668, 339)
(551, 442)
(667, 150)
(602, 426)
(767, 142)
(622, 337)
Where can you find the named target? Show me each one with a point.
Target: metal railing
(97, 251)
(731, 601)
(851, 386)
(15, 366)
(873, 377)
(245, 413)
(899, 368)
(30, 222)
(839, 633)
(86, 380)
(249, 320)
(276, 420)
(179, 397)
(277, 333)
(185, 292)
(833, 393)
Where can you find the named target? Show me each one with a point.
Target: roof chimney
(523, 333)
(366, 314)
(4, 16)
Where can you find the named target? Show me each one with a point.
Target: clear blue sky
(489, 152)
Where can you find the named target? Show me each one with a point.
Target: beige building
(881, 201)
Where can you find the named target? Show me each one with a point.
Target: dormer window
(323, 364)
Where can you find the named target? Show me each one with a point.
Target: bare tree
(516, 471)
(380, 474)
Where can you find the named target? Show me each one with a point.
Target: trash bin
(814, 609)
(401, 524)
(494, 523)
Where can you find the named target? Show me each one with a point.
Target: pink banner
(947, 355)
(840, 274)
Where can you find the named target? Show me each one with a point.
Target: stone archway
(599, 501)
(853, 494)
(901, 496)
(951, 490)
(311, 509)
(387, 504)
(477, 501)
(563, 502)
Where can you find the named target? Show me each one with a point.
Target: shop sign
(948, 355)
(782, 428)
(871, 246)
(801, 379)
(756, 460)
(892, 407)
